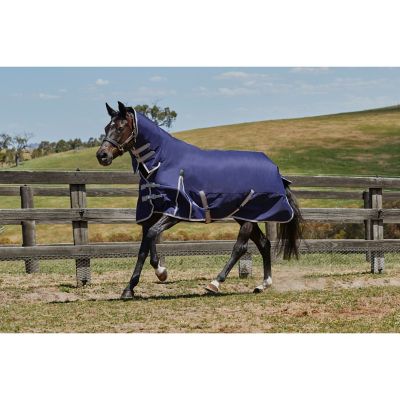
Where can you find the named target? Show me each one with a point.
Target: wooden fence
(369, 190)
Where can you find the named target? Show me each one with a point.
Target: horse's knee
(241, 248)
(152, 233)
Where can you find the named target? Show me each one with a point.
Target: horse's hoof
(212, 287)
(127, 294)
(161, 273)
(266, 284)
(259, 289)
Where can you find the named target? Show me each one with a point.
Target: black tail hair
(290, 233)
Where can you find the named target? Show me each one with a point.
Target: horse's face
(120, 135)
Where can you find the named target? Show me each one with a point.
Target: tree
(45, 147)
(161, 116)
(74, 143)
(92, 142)
(21, 141)
(5, 141)
(62, 146)
(20, 144)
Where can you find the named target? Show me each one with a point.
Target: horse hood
(186, 182)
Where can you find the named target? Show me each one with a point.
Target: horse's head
(120, 134)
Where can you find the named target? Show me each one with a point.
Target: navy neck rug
(191, 184)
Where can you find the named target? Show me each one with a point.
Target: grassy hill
(357, 143)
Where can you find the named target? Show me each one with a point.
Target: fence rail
(133, 192)
(94, 177)
(128, 215)
(373, 215)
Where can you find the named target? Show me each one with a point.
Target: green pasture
(365, 143)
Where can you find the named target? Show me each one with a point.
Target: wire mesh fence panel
(327, 256)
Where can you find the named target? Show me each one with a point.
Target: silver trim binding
(152, 197)
(136, 152)
(204, 202)
(145, 157)
(180, 187)
(149, 185)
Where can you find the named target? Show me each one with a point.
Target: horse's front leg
(127, 294)
(150, 234)
(162, 225)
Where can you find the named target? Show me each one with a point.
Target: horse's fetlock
(154, 262)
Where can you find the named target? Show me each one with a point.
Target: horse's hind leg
(239, 249)
(264, 246)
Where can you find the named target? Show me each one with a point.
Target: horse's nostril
(102, 155)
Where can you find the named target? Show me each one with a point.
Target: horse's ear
(122, 109)
(112, 113)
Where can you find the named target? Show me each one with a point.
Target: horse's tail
(290, 233)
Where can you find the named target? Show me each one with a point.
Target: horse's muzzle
(104, 158)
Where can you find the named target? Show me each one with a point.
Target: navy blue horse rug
(185, 182)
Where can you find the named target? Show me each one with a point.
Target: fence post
(377, 257)
(271, 231)
(367, 223)
(80, 233)
(28, 228)
(245, 266)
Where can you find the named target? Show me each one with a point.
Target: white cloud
(237, 91)
(233, 75)
(48, 96)
(157, 78)
(244, 83)
(223, 91)
(102, 82)
(309, 69)
(243, 76)
(340, 84)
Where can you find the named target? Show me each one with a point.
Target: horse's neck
(151, 141)
(149, 132)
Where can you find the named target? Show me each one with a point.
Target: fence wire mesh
(84, 264)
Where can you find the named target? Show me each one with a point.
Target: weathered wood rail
(373, 216)
(127, 215)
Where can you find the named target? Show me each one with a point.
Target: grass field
(315, 294)
(366, 142)
(354, 143)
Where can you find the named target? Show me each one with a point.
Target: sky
(64, 103)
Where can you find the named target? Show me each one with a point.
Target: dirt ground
(312, 296)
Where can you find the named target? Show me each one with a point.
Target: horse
(181, 182)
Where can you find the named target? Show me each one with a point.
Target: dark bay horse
(180, 182)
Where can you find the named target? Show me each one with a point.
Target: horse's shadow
(163, 297)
